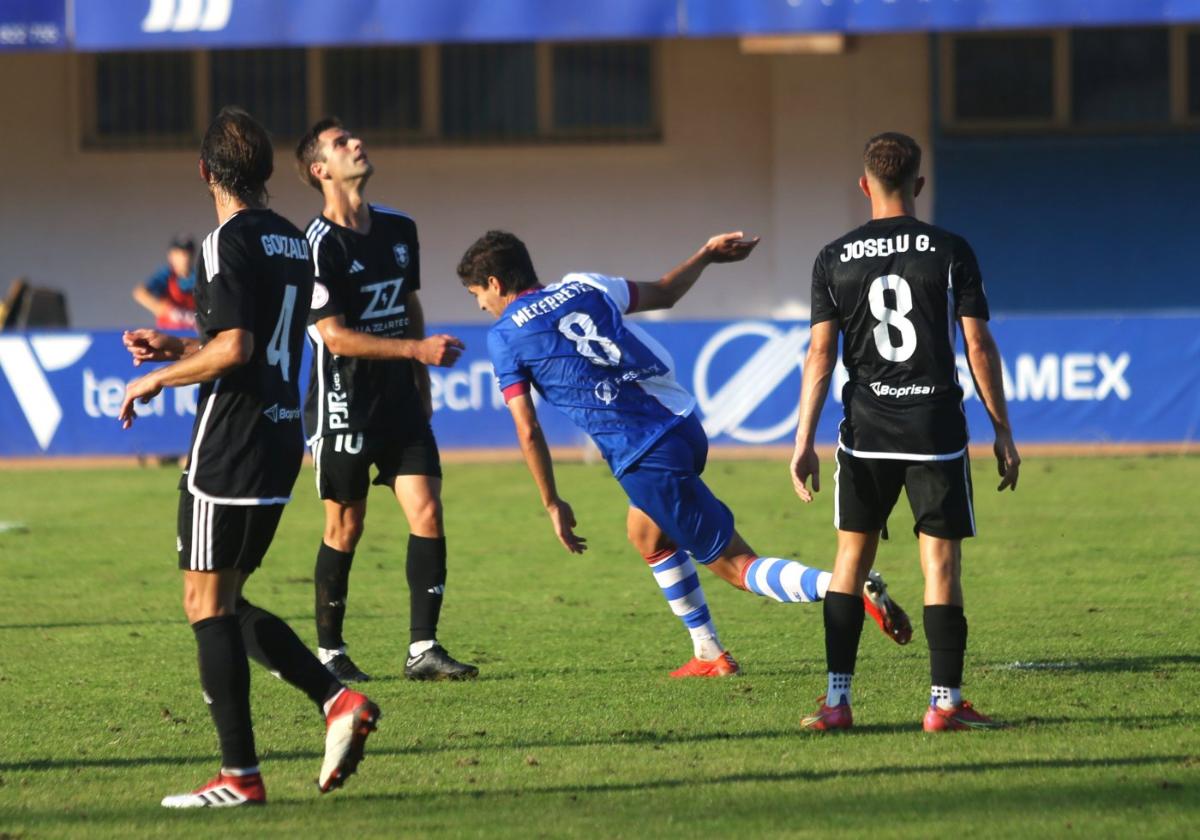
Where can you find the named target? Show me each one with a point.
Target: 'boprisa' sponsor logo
(882, 390)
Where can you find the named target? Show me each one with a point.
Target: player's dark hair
(501, 255)
(894, 159)
(308, 150)
(236, 151)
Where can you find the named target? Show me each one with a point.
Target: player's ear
(918, 185)
(205, 175)
(317, 170)
(865, 186)
(494, 284)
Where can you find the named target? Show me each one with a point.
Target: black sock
(225, 678)
(332, 578)
(272, 644)
(946, 632)
(843, 627)
(426, 583)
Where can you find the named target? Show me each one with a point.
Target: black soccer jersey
(365, 278)
(896, 287)
(253, 274)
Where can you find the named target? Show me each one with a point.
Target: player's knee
(427, 518)
(649, 542)
(343, 534)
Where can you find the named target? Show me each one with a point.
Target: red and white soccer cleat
(955, 719)
(723, 666)
(890, 616)
(222, 792)
(827, 718)
(351, 718)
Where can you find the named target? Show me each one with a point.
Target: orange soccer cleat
(828, 718)
(351, 718)
(225, 791)
(723, 666)
(890, 616)
(957, 718)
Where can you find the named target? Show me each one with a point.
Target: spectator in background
(167, 293)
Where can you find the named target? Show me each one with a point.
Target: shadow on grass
(475, 743)
(1121, 664)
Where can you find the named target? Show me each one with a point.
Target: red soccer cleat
(222, 792)
(828, 718)
(890, 616)
(723, 666)
(963, 716)
(351, 718)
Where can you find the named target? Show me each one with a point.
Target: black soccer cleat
(343, 667)
(437, 664)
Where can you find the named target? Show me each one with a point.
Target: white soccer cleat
(351, 718)
(222, 792)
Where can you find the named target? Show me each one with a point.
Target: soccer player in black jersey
(253, 284)
(899, 290)
(368, 398)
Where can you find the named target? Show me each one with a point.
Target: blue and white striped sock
(786, 580)
(676, 576)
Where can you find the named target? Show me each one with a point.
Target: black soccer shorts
(213, 536)
(939, 492)
(343, 462)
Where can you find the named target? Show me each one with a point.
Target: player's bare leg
(946, 633)
(420, 496)
(676, 575)
(344, 522)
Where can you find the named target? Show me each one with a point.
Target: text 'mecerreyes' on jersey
(366, 279)
(896, 288)
(571, 342)
(253, 274)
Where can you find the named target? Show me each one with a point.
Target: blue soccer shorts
(665, 483)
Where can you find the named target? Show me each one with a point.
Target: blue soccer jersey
(572, 344)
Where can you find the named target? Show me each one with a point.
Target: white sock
(838, 691)
(329, 703)
(679, 581)
(823, 580)
(785, 580)
(240, 771)
(326, 654)
(945, 697)
(417, 648)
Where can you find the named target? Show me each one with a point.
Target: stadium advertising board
(1068, 379)
(155, 24)
(33, 24)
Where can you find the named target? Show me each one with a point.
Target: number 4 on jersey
(277, 351)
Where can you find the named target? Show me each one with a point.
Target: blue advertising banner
(167, 24)
(33, 24)
(1068, 380)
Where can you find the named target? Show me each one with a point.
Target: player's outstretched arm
(439, 350)
(818, 370)
(666, 292)
(541, 466)
(984, 358)
(147, 345)
(416, 330)
(228, 350)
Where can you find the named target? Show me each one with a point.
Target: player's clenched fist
(440, 350)
(729, 247)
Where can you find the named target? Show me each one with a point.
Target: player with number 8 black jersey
(897, 287)
(899, 291)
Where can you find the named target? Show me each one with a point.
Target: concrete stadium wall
(765, 143)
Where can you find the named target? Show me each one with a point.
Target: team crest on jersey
(606, 391)
(401, 252)
(320, 295)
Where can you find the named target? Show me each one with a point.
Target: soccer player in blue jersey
(571, 342)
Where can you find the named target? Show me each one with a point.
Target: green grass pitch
(1088, 576)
